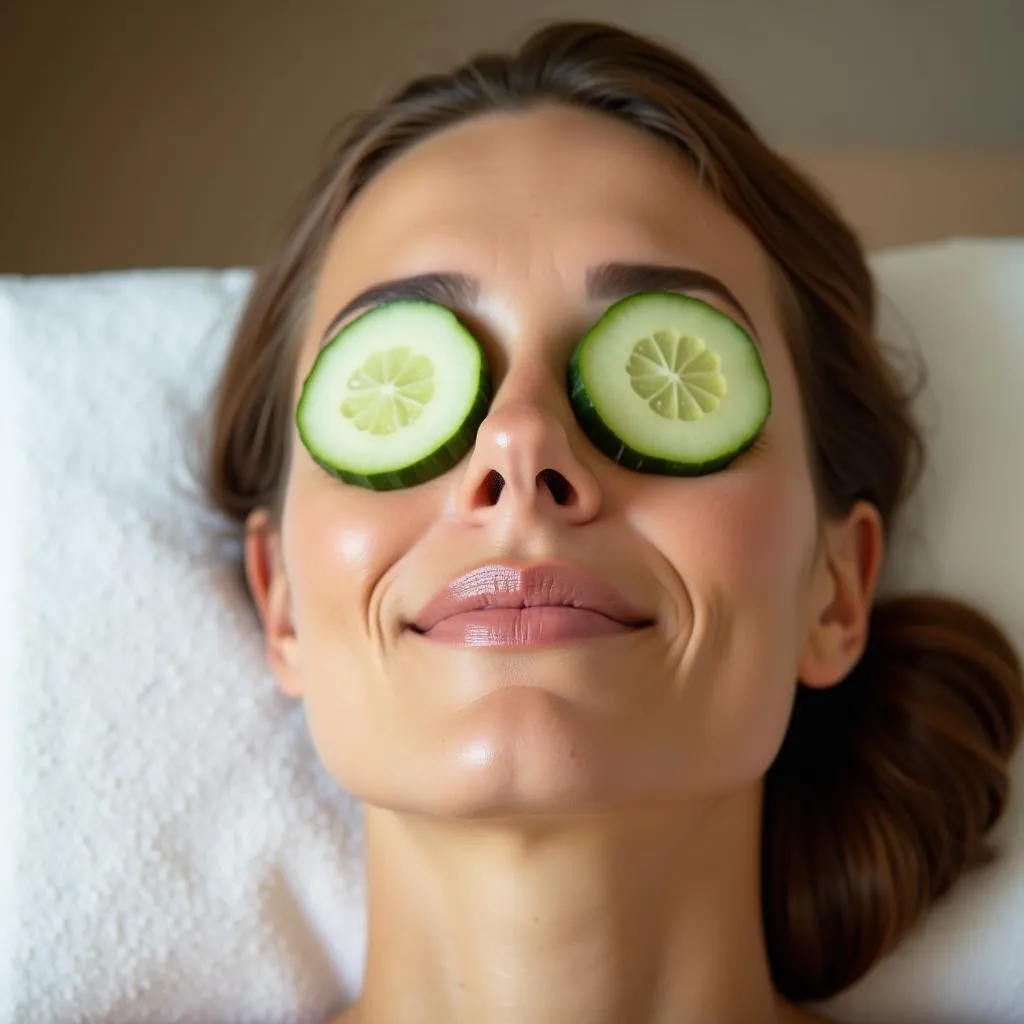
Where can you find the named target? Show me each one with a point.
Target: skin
(568, 833)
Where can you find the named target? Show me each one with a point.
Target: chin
(524, 750)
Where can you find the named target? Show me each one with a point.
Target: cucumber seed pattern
(677, 375)
(389, 390)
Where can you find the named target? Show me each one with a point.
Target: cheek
(338, 542)
(737, 551)
(339, 545)
(743, 534)
(757, 533)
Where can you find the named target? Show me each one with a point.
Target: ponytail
(883, 790)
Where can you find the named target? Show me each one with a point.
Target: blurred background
(147, 133)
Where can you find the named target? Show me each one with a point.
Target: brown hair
(885, 784)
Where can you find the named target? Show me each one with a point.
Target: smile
(499, 605)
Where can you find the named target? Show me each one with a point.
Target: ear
(843, 591)
(268, 584)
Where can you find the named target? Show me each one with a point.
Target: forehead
(527, 205)
(539, 196)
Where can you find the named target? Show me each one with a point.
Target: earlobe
(268, 585)
(845, 590)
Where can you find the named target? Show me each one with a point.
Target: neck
(651, 916)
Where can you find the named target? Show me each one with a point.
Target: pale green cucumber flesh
(396, 397)
(666, 383)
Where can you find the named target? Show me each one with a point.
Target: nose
(522, 463)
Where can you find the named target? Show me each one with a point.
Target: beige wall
(175, 132)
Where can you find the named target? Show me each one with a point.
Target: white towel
(179, 855)
(170, 848)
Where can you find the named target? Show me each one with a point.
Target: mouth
(499, 605)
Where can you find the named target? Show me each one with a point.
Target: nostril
(489, 492)
(560, 488)
(491, 488)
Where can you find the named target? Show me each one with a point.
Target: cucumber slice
(396, 397)
(665, 383)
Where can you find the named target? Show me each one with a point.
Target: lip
(507, 605)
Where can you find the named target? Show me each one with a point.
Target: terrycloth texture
(180, 856)
(170, 849)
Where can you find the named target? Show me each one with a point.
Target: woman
(690, 770)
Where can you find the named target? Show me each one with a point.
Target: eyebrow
(613, 281)
(443, 288)
(608, 281)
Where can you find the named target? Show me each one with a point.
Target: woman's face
(726, 566)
